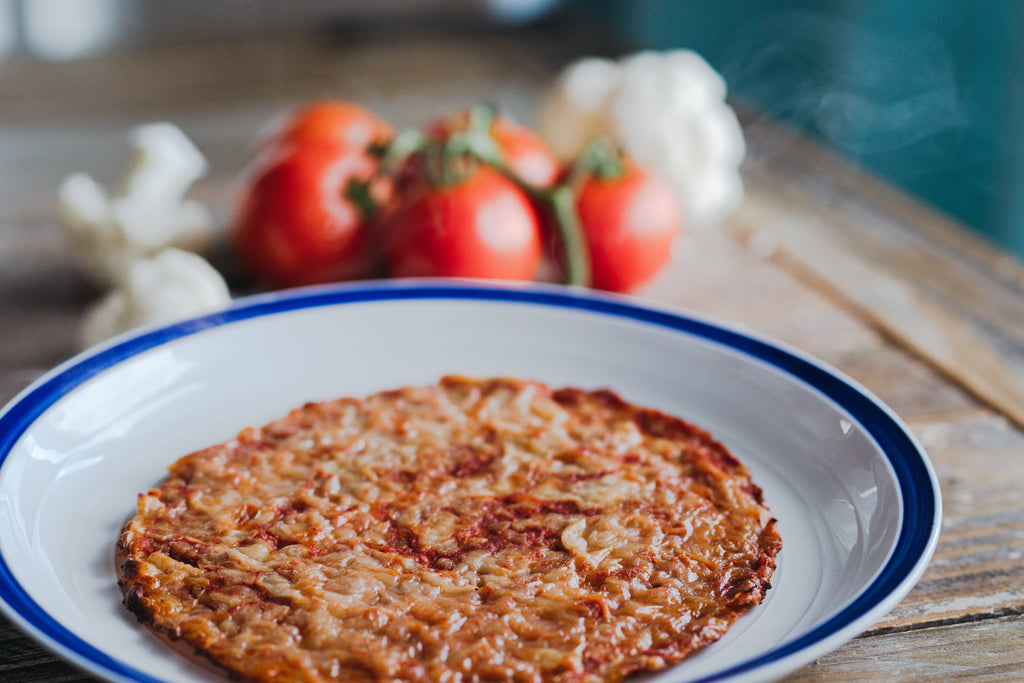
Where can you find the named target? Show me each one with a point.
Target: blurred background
(927, 95)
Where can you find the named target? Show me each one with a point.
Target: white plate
(856, 498)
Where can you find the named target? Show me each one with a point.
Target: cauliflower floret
(170, 286)
(148, 212)
(668, 110)
(141, 240)
(166, 164)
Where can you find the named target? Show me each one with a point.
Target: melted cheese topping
(471, 531)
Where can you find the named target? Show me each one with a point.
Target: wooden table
(820, 256)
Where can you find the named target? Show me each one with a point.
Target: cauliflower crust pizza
(473, 530)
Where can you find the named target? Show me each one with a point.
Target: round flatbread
(472, 530)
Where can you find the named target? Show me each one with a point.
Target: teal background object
(928, 95)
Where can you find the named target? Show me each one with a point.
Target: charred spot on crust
(134, 598)
(130, 570)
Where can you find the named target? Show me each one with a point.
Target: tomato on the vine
(334, 193)
(306, 203)
(629, 220)
(479, 225)
(297, 221)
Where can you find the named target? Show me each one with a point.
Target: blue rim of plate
(917, 482)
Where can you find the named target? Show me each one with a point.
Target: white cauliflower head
(668, 110)
(146, 214)
(168, 287)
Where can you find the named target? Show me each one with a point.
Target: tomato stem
(359, 193)
(401, 147)
(562, 201)
(601, 158)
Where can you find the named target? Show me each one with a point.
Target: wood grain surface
(944, 293)
(819, 256)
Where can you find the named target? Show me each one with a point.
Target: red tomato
(294, 223)
(297, 222)
(333, 122)
(629, 223)
(522, 149)
(526, 153)
(480, 227)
